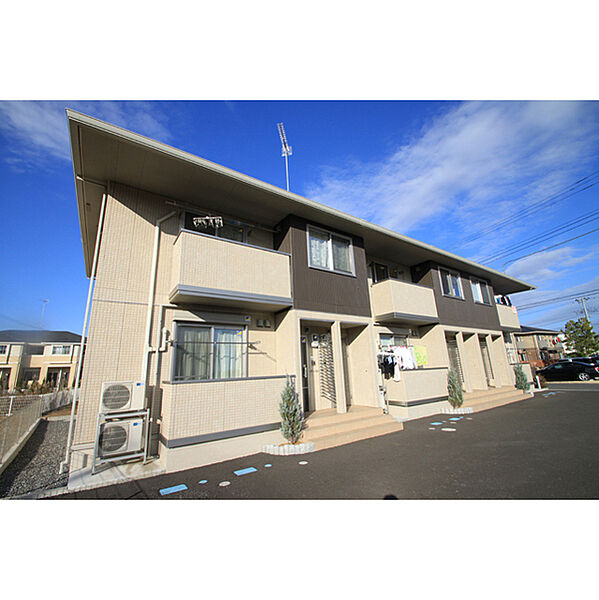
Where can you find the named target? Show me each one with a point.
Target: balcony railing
(401, 301)
(218, 409)
(508, 316)
(212, 270)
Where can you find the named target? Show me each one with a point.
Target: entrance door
(327, 372)
(305, 371)
(455, 362)
(486, 359)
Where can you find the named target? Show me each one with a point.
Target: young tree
(580, 337)
(291, 414)
(454, 389)
(521, 382)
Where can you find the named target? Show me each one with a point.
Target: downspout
(151, 292)
(67, 459)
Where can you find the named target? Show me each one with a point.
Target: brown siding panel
(318, 290)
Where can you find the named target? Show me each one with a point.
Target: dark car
(568, 370)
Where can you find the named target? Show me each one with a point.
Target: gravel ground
(36, 466)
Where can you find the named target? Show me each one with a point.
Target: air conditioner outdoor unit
(121, 437)
(122, 396)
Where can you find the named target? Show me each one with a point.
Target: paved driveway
(544, 447)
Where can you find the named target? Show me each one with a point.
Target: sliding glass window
(207, 352)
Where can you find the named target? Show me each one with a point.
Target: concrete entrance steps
(327, 428)
(484, 399)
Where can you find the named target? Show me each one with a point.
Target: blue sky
(441, 172)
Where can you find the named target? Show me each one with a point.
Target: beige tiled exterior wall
(116, 341)
(192, 409)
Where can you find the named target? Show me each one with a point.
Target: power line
(565, 298)
(569, 226)
(549, 247)
(554, 197)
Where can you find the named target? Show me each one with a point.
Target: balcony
(508, 317)
(209, 270)
(395, 301)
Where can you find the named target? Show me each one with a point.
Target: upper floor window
(209, 352)
(3, 348)
(61, 349)
(330, 251)
(382, 272)
(388, 340)
(450, 284)
(229, 230)
(480, 291)
(34, 350)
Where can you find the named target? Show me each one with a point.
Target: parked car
(593, 360)
(569, 370)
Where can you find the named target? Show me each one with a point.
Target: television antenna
(285, 150)
(43, 311)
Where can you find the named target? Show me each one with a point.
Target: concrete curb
(288, 449)
(466, 410)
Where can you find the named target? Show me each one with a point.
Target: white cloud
(471, 164)
(549, 265)
(37, 131)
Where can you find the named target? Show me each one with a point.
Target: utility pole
(583, 300)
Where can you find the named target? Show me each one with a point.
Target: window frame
(63, 346)
(309, 229)
(459, 279)
(393, 336)
(480, 283)
(245, 229)
(211, 326)
(389, 268)
(3, 349)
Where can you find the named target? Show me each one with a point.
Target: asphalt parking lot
(543, 447)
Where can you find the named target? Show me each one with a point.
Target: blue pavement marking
(203, 481)
(172, 490)
(455, 418)
(437, 423)
(245, 471)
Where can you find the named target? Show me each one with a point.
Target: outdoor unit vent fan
(121, 437)
(122, 396)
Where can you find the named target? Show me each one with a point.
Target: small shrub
(454, 389)
(521, 382)
(292, 420)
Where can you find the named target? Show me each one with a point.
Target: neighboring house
(38, 355)
(539, 347)
(213, 318)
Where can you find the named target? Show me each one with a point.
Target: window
(480, 291)
(209, 352)
(330, 251)
(382, 272)
(229, 231)
(34, 350)
(450, 284)
(389, 340)
(3, 348)
(61, 349)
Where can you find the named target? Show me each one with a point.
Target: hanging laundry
(397, 370)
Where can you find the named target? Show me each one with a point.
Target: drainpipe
(67, 459)
(151, 292)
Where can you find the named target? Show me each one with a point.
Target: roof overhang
(104, 153)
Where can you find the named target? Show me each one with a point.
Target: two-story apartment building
(38, 355)
(211, 287)
(538, 347)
